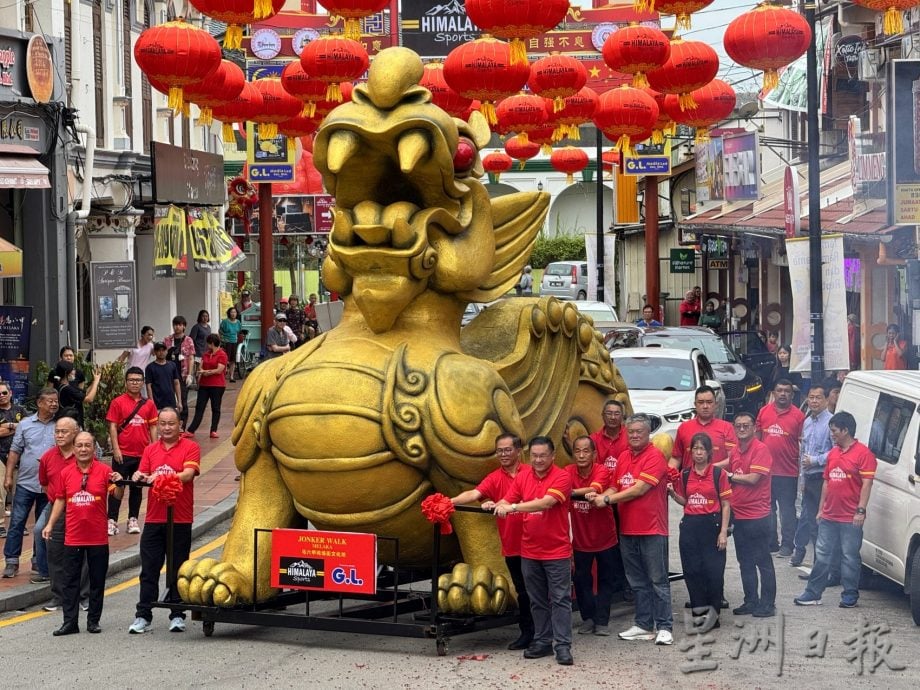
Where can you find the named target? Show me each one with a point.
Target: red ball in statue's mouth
(466, 154)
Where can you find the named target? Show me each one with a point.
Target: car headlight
(678, 417)
(753, 388)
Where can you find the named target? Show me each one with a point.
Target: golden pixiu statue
(353, 429)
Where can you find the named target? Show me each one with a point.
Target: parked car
(471, 312)
(885, 405)
(744, 389)
(565, 279)
(752, 350)
(662, 383)
(622, 334)
(603, 315)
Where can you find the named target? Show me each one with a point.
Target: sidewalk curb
(28, 595)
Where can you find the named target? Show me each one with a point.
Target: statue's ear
(479, 128)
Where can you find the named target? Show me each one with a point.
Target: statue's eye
(465, 155)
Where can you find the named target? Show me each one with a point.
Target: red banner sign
(324, 561)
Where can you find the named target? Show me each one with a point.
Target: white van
(886, 405)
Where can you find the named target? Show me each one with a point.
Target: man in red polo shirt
(610, 439)
(171, 454)
(541, 491)
(779, 426)
(749, 474)
(493, 488)
(639, 488)
(718, 430)
(848, 480)
(594, 536)
(80, 492)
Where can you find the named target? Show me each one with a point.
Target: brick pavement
(215, 496)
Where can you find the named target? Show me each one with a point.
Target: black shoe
(628, 595)
(796, 560)
(93, 628)
(523, 642)
(784, 552)
(774, 548)
(538, 651)
(803, 576)
(745, 609)
(764, 612)
(564, 656)
(66, 630)
(724, 603)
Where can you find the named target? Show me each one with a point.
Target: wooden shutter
(98, 73)
(29, 21)
(127, 58)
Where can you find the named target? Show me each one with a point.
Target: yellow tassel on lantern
(352, 28)
(204, 117)
(291, 147)
(702, 135)
(682, 21)
(894, 22)
(574, 133)
(309, 109)
(227, 131)
(643, 5)
(518, 52)
(558, 104)
(523, 139)
(333, 93)
(546, 149)
(623, 145)
(560, 132)
(488, 110)
(522, 165)
(268, 130)
(770, 80)
(639, 80)
(233, 38)
(657, 136)
(569, 178)
(262, 9)
(174, 100)
(686, 101)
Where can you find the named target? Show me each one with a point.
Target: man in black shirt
(162, 378)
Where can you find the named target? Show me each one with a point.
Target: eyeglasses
(504, 451)
(4, 392)
(134, 380)
(743, 426)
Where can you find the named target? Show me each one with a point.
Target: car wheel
(914, 587)
(582, 295)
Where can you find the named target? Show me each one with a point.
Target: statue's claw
(212, 582)
(476, 590)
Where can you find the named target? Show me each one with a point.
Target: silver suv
(566, 280)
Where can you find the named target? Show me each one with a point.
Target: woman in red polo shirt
(211, 384)
(703, 491)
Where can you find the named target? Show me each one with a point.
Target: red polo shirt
(701, 495)
(593, 529)
(609, 449)
(493, 488)
(49, 469)
(546, 533)
(647, 514)
(86, 508)
(158, 459)
(720, 432)
(844, 476)
(136, 435)
(781, 430)
(751, 502)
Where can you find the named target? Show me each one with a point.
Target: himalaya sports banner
(170, 252)
(836, 352)
(197, 231)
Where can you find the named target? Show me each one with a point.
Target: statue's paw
(213, 582)
(474, 589)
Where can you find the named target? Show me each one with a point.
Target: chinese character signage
(15, 340)
(324, 561)
(212, 249)
(113, 295)
(904, 142)
(170, 252)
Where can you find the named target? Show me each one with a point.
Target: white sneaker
(133, 527)
(664, 637)
(637, 633)
(177, 624)
(139, 626)
(113, 528)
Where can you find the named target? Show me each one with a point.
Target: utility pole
(599, 191)
(814, 202)
(266, 258)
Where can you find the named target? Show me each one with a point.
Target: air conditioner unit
(870, 64)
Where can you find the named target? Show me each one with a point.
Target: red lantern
(557, 77)
(636, 50)
(277, 106)
(521, 151)
(483, 70)
(334, 59)
(893, 22)
(714, 103)
(244, 107)
(177, 54)
(569, 160)
(442, 95)
(298, 127)
(224, 85)
(301, 85)
(767, 38)
(237, 13)
(576, 110)
(516, 20)
(692, 64)
(325, 106)
(496, 163)
(352, 11)
(624, 113)
(682, 9)
(664, 124)
(521, 114)
(543, 136)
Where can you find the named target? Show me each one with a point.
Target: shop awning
(10, 260)
(23, 172)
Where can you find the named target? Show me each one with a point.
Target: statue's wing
(518, 219)
(553, 362)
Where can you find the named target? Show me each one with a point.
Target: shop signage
(435, 28)
(324, 561)
(847, 51)
(113, 295)
(741, 167)
(184, 176)
(268, 160)
(23, 130)
(15, 340)
(39, 69)
(170, 251)
(683, 260)
(904, 127)
(792, 202)
(709, 177)
(212, 249)
(649, 160)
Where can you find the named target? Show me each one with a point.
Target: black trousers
(517, 577)
(57, 565)
(183, 394)
(214, 394)
(591, 606)
(783, 492)
(126, 469)
(97, 559)
(153, 555)
(702, 562)
(752, 547)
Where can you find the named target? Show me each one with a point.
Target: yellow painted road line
(197, 553)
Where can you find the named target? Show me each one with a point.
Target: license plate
(554, 284)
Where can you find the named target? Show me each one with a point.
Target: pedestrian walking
(10, 416)
(141, 355)
(816, 444)
(211, 385)
(75, 396)
(229, 333)
(181, 350)
(199, 333)
(162, 380)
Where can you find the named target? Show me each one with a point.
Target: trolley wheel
(442, 645)
(208, 628)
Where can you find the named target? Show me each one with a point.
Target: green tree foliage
(560, 248)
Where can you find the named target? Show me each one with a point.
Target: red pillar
(266, 257)
(652, 265)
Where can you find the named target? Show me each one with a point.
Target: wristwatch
(860, 511)
(606, 500)
(514, 507)
(731, 476)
